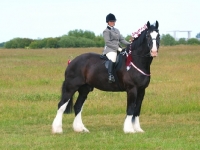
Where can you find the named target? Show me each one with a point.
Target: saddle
(117, 64)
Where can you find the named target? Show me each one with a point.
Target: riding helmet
(110, 17)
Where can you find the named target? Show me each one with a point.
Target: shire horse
(88, 71)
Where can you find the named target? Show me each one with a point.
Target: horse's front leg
(136, 122)
(131, 100)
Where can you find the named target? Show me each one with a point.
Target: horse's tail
(69, 109)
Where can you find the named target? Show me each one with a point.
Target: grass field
(30, 87)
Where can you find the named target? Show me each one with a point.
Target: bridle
(149, 44)
(150, 40)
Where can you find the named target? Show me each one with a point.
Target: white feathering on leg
(57, 123)
(128, 126)
(78, 125)
(136, 125)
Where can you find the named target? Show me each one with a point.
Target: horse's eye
(158, 36)
(148, 36)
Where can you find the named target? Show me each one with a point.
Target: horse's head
(153, 38)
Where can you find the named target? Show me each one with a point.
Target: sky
(53, 18)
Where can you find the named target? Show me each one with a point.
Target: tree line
(75, 38)
(168, 40)
(79, 38)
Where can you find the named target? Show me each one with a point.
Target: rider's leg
(112, 59)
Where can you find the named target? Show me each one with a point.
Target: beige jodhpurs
(112, 56)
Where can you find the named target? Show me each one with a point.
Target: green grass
(30, 86)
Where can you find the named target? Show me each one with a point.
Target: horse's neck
(140, 60)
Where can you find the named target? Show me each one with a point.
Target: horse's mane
(139, 40)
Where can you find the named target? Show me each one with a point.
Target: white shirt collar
(111, 27)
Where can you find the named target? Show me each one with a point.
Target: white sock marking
(128, 126)
(78, 125)
(57, 123)
(136, 125)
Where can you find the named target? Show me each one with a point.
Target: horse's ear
(148, 24)
(157, 24)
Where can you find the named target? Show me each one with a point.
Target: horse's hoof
(129, 132)
(139, 130)
(81, 129)
(57, 131)
(86, 130)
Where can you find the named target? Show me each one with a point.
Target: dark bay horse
(88, 71)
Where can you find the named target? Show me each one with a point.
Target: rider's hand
(119, 49)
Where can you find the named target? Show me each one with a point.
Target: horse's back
(82, 64)
(84, 60)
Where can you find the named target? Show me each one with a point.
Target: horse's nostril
(154, 53)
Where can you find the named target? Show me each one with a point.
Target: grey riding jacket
(112, 38)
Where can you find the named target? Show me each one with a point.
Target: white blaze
(153, 36)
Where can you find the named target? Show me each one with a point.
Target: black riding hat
(110, 17)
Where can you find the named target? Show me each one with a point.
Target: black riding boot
(110, 72)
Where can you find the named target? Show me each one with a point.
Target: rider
(112, 38)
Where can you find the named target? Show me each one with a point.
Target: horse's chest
(138, 81)
(143, 81)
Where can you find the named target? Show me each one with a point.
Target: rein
(139, 70)
(128, 55)
(147, 55)
(129, 59)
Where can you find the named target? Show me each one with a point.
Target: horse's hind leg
(57, 122)
(78, 125)
(67, 93)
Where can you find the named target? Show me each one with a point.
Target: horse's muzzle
(154, 53)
